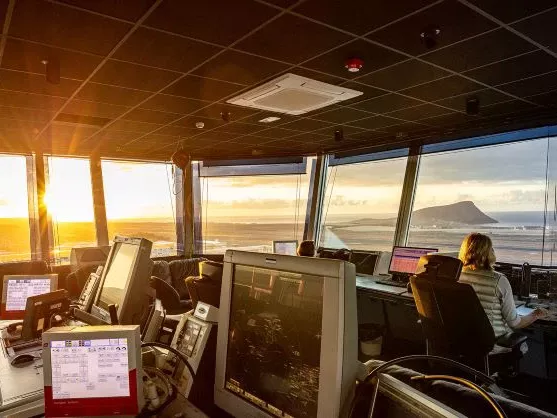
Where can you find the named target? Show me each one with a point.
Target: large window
(69, 200)
(140, 202)
(15, 243)
(250, 212)
(503, 191)
(361, 205)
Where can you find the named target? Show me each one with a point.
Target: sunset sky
(500, 178)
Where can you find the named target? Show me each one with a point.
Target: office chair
(206, 287)
(453, 320)
(169, 297)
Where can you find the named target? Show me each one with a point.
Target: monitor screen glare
(117, 275)
(405, 259)
(20, 289)
(286, 247)
(90, 369)
(274, 341)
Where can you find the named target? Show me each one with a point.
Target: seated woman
(493, 288)
(306, 249)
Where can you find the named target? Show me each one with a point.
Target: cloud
(342, 201)
(256, 204)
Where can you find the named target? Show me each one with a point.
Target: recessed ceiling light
(270, 119)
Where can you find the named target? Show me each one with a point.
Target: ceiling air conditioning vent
(293, 95)
(80, 120)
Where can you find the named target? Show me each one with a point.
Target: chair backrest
(206, 287)
(440, 267)
(453, 319)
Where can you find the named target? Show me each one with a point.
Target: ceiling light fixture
(52, 69)
(339, 135)
(270, 119)
(430, 36)
(199, 125)
(354, 65)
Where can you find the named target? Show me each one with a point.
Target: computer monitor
(92, 371)
(285, 247)
(125, 281)
(365, 261)
(40, 311)
(404, 260)
(88, 256)
(17, 288)
(153, 323)
(291, 351)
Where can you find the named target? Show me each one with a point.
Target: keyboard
(391, 283)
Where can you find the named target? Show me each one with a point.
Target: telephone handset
(89, 291)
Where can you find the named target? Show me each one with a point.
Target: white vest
(485, 284)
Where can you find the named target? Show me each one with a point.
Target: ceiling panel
(163, 50)
(419, 112)
(513, 9)
(541, 28)
(127, 10)
(220, 21)
(31, 100)
(150, 116)
(387, 103)
(455, 21)
(480, 50)
(33, 83)
(124, 74)
(341, 115)
(440, 89)
(534, 85)
(100, 110)
(225, 112)
(173, 104)
(111, 94)
(373, 56)
(239, 67)
(29, 57)
(201, 88)
(405, 74)
(65, 27)
(525, 66)
(359, 16)
(288, 46)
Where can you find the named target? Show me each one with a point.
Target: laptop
(17, 288)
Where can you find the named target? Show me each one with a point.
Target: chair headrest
(211, 269)
(439, 267)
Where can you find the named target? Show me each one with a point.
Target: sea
(518, 236)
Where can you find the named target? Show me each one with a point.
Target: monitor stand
(93, 320)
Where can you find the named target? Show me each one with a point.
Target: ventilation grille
(293, 95)
(80, 120)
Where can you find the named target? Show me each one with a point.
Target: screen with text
(20, 289)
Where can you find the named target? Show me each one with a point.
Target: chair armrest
(510, 340)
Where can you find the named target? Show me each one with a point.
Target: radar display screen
(274, 341)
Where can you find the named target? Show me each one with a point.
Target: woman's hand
(540, 313)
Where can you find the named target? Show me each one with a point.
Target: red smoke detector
(354, 65)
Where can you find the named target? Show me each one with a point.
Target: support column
(316, 196)
(101, 223)
(179, 205)
(407, 198)
(44, 231)
(33, 205)
(193, 241)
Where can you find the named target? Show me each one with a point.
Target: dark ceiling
(136, 75)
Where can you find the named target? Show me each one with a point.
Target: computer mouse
(23, 360)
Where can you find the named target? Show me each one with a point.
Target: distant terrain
(445, 216)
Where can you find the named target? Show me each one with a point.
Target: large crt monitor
(405, 259)
(125, 281)
(17, 288)
(92, 371)
(288, 348)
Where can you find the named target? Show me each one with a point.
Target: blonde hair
(306, 249)
(476, 252)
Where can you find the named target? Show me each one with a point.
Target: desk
(21, 391)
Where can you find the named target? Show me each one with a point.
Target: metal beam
(179, 205)
(316, 196)
(407, 197)
(97, 185)
(193, 241)
(197, 208)
(45, 231)
(33, 205)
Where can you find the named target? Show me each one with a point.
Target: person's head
(476, 252)
(306, 249)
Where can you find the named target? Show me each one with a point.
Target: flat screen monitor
(285, 247)
(88, 256)
(404, 260)
(40, 311)
(288, 348)
(17, 288)
(125, 281)
(92, 371)
(365, 261)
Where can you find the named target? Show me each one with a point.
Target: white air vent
(293, 95)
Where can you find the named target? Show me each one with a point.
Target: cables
(179, 354)
(405, 359)
(483, 393)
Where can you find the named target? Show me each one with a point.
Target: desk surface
(370, 283)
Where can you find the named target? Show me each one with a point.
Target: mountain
(457, 213)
